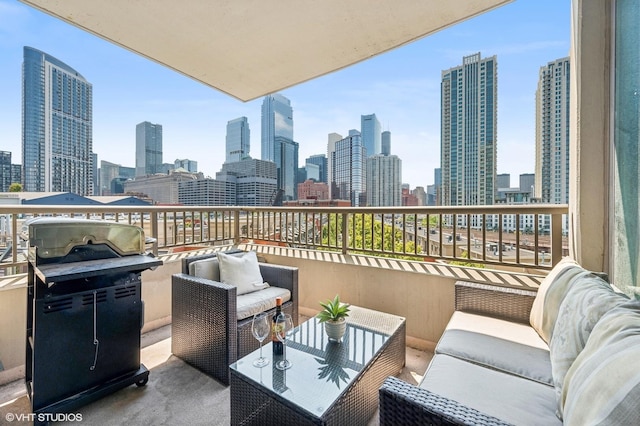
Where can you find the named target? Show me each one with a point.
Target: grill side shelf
(52, 273)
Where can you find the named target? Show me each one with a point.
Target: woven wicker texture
(496, 301)
(205, 331)
(405, 404)
(252, 403)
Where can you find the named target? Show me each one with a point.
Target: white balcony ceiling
(250, 48)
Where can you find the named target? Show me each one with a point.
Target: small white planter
(335, 329)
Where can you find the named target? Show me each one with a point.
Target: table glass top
(321, 369)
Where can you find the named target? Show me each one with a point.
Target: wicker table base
(329, 383)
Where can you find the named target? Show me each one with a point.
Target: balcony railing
(515, 236)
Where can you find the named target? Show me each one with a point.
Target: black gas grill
(84, 311)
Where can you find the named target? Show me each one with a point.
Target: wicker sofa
(511, 356)
(206, 328)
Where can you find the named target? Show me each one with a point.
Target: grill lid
(56, 237)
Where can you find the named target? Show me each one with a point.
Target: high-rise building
(148, 149)
(277, 142)
(95, 175)
(238, 140)
(348, 170)
(552, 133)
(112, 178)
(188, 165)
(386, 142)
(468, 132)
(5, 171)
(311, 171)
(332, 138)
(16, 173)
(384, 180)
(286, 159)
(371, 134)
(321, 161)
(108, 173)
(437, 183)
(527, 183)
(57, 126)
(503, 180)
(277, 120)
(421, 195)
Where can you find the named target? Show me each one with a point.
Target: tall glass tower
(277, 121)
(57, 126)
(148, 149)
(238, 140)
(468, 132)
(371, 134)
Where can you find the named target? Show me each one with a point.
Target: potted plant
(334, 315)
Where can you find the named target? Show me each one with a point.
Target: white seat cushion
(511, 398)
(255, 302)
(507, 346)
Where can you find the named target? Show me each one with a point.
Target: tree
(15, 187)
(359, 231)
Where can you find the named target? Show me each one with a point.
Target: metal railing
(519, 236)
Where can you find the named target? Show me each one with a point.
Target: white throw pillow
(241, 271)
(550, 294)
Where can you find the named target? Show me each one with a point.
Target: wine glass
(260, 327)
(284, 327)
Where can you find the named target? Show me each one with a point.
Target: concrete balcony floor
(175, 394)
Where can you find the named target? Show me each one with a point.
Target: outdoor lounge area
(421, 291)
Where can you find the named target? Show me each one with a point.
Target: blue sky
(401, 87)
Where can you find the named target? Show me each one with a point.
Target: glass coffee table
(329, 382)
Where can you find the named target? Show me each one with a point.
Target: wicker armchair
(205, 330)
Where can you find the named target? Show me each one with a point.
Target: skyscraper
(321, 161)
(468, 132)
(527, 183)
(286, 159)
(552, 133)
(277, 120)
(371, 134)
(348, 169)
(503, 180)
(148, 149)
(238, 140)
(332, 138)
(57, 126)
(277, 142)
(386, 142)
(384, 181)
(5, 171)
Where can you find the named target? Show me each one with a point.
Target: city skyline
(402, 87)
